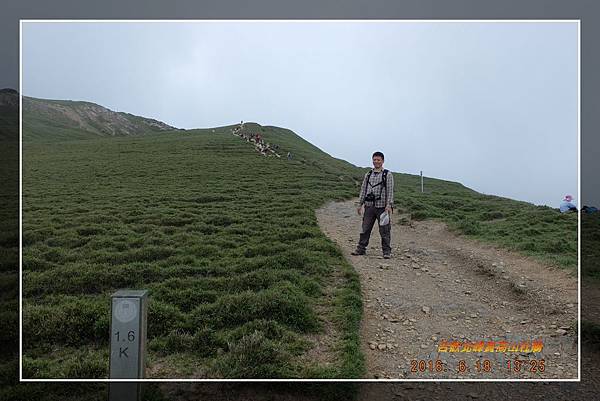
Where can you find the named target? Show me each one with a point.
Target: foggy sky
(491, 105)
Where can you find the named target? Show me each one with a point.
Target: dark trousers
(370, 215)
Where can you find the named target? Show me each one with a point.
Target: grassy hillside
(225, 239)
(51, 120)
(538, 231)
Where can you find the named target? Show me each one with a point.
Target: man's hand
(389, 209)
(359, 210)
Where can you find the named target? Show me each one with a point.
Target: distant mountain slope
(65, 119)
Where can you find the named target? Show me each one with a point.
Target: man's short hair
(378, 154)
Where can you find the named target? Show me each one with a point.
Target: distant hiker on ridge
(567, 205)
(377, 196)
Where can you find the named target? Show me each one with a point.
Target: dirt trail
(442, 286)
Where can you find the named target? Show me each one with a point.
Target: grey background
(492, 105)
(587, 10)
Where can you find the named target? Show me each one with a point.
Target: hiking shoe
(387, 256)
(357, 253)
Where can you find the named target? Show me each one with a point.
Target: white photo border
(22, 21)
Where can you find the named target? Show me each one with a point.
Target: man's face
(377, 162)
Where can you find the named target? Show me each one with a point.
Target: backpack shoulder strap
(384, 183)
(367, 178)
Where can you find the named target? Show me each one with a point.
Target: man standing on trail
(377, 196)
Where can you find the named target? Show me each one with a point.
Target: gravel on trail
(441, 289)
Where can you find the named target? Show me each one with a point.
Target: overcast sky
(491, 105)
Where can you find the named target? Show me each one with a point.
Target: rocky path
(440, 286)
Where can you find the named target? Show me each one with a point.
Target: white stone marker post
(129, 309)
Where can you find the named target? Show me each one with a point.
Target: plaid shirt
(376, 178)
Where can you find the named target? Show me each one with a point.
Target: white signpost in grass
(129, 309)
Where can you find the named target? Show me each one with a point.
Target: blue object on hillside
(566, 206)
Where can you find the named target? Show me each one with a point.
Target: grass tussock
(225, 240)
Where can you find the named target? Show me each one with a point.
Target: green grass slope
(58, 120)
(537, 231)
(225, 239)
